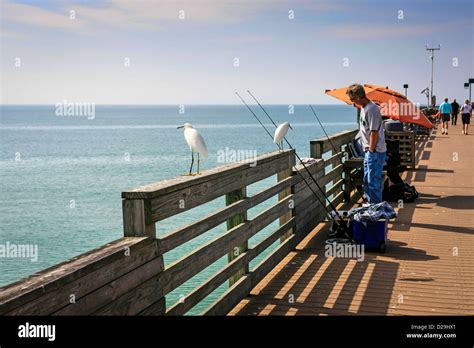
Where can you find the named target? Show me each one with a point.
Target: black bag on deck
(399, 191)
(394, 163)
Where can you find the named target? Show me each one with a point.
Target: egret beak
(179, 127)
(290, 126)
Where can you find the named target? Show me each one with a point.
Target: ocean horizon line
(163, 126)
(134, 105)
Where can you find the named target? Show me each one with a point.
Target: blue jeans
(373, 165)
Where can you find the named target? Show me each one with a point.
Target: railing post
(237, 219)
(316, 150)
(287, 216)
(346, 176)
(137, 220)
(347, 185)
(413, 156)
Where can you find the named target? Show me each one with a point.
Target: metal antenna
(432, 50)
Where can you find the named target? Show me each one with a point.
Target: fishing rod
(309, 173)
(302, 177)
(251, 111)
(334, 149)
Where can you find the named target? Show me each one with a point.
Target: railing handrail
(322, 145)
(186, 181)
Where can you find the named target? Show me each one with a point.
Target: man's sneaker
(366, 205)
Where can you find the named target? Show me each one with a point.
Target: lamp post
(432, 50)
(406, 87)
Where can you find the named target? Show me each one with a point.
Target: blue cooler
(373, 235)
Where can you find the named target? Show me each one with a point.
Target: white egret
(280, 133)
(195, 142)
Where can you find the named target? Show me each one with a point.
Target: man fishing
(373, 142)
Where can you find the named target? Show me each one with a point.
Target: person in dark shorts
(445, 111)
(454, 112)
(466, 111)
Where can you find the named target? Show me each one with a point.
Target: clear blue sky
(191, 60)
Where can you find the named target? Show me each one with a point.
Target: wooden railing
(337, 148)
(129, 276)
(171, 197)
(406, 141)
(106, 280)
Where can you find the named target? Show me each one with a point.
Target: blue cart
(373, 235)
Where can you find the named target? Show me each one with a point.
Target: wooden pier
(428, 268)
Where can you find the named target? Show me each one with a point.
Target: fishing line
(248, 107)
(304, 166)
(299, 158)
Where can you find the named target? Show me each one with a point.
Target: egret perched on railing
(280, 133)
(196, 144)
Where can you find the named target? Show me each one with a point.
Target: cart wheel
(383, 248)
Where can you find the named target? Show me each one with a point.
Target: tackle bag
(399, 191)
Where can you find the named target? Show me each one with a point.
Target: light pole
(406, 87)
(432, 49)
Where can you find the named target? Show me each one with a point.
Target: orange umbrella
(392, 104)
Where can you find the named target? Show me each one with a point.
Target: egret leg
(192, 162)
(198, 164)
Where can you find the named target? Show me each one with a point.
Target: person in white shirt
(466, 111)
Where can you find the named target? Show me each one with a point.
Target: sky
(202, 51)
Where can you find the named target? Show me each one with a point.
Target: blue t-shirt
(445, 108)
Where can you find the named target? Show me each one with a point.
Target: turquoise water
(62, 176)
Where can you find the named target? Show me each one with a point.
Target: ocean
(62, 176)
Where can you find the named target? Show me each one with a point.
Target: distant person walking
(445, 111)
(373, 142)
(454, 112)
(466, 112)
